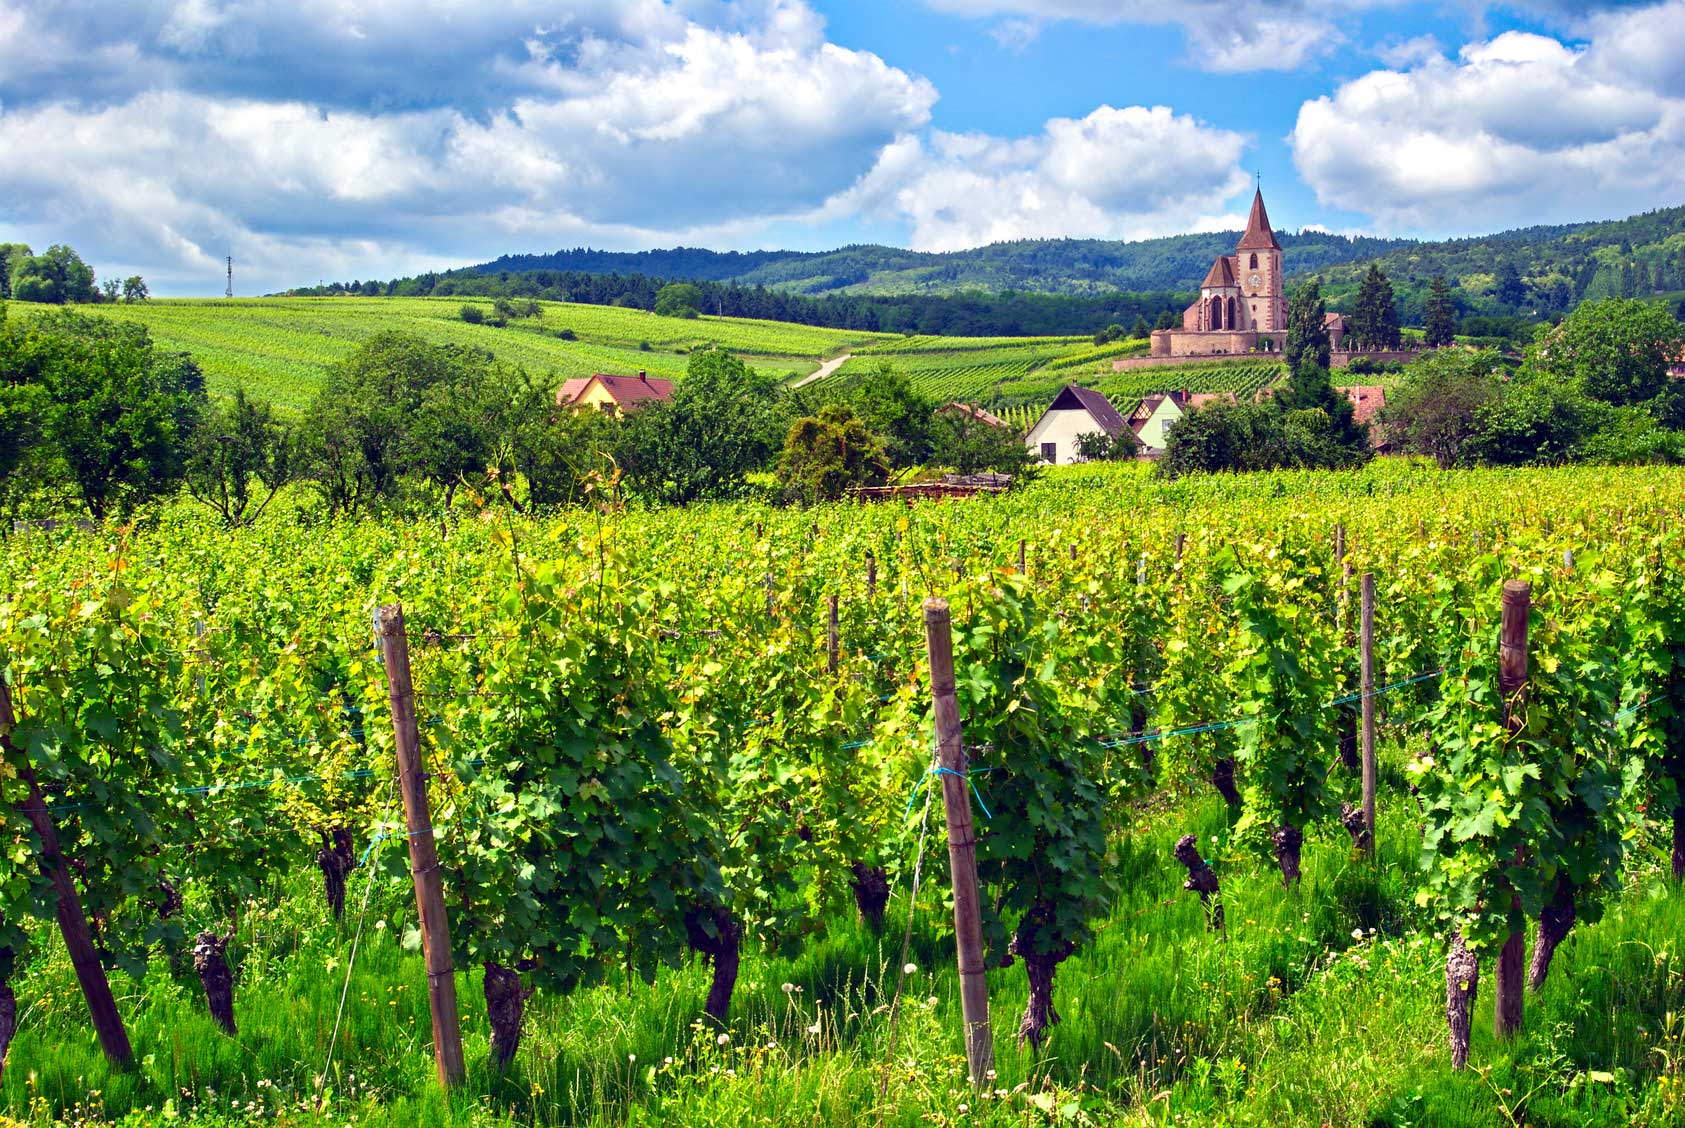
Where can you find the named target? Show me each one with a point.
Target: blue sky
(319, 139)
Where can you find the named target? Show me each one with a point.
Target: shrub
(472, 314)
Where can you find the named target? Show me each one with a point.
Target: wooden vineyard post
(1181, 543)
(871, 575)
(1020, 558)
(424, 857)
(831, 641)
(962, 843)
(1366, 686)
(1512, 681)
(73, 922)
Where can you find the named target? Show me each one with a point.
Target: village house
(1367, 402)
(1074, 412)
(1153, 416)
(612, 395)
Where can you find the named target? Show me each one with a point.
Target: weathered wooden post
(831, 641)
(962, 843)
(1366, 686)
(424, 857)
(73, 923)
(1020, 557)
(1512, 681)
(871, 575)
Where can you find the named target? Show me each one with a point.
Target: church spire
(1258, 235)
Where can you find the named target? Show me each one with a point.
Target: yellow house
(613, 395)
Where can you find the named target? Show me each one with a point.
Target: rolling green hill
(280, 348)
(1560, 264)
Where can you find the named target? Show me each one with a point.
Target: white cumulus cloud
(1518, 125)
(650, 127)
(1126, 173)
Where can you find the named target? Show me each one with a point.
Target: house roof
(1258, 236)
(974, 411)
(1221, 274)
(625, 391)
(1072, 397)
(1367, 401)
(1333, 319)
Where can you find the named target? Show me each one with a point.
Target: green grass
(1286, 1020)
(280, 348)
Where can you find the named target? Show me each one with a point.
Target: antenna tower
(229, 293)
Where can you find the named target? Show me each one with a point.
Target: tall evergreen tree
(1510, 289)
(1375, 322)
(1441, 314)
(1307, 329)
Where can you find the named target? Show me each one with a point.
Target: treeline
(58, 275)
(1012, 314)
(95, 417)
(1053, 266)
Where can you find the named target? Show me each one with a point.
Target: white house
(1073, 413)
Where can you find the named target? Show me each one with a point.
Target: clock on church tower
(1255, 281)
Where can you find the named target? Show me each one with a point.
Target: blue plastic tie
(936, 771)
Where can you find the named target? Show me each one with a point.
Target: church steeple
(1258, 235)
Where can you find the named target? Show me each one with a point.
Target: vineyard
(1242, 378)
(280, 348)
(969, 369)
(1276, 782)
(1020, 376)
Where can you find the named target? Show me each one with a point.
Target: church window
(1233, 323)
(1254, 260)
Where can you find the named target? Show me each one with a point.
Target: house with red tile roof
(1367, 401)
(614, 395)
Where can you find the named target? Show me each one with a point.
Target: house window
(606, 408)
(1050, 452)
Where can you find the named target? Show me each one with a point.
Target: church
(1242, 306)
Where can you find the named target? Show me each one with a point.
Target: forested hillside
(1537, 271)
(1077, 286)
(1049, 266)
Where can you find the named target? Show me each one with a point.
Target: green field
(280, 348)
